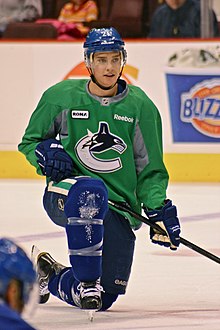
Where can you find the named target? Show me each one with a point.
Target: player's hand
(167, 219)
(53, 160)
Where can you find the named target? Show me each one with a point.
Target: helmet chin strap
(101, 86)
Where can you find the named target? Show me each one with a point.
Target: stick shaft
(183, 241)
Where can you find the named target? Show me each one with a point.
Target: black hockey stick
(190, 245)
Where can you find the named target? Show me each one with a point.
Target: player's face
(175, 4)
(106, 67)
(13, 296)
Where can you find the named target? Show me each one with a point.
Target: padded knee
(87, 198)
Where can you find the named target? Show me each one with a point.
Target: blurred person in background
(79, 12)
(18, 11)
(17, 279)
(179, 19)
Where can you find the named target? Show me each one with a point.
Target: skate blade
(34, 254)
(90, 313)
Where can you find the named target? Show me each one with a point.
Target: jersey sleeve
(42, 125)
(152, 176)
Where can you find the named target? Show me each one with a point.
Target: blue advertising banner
(194, 101)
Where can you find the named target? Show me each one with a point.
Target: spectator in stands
(179, 19)
(79, 12)
(18, 11)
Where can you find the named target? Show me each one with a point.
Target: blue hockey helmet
(15, 264)
(103, 40)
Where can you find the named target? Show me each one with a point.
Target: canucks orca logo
(97, 143)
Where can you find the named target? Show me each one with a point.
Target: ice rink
(167, 290)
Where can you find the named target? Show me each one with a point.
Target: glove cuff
(158, 214)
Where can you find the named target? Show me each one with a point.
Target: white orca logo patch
(97, 143)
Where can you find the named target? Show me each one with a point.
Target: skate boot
(90, 295)
(46, 266)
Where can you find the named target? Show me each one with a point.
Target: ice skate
(90, 295)
(46, 266)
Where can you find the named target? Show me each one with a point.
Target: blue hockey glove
(53, 160)
(167, 219)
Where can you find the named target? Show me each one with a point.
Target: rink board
(181, 167)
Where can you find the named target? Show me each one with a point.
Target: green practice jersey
(117, 139)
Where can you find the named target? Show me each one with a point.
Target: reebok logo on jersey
(80, 114)
(124, 118)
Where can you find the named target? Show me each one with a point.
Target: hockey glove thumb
(167, 219)
(53, 160)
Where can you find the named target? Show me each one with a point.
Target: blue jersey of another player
(11, 320)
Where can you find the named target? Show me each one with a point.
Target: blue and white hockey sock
(65, 287)
(85, 208)
(63, 284)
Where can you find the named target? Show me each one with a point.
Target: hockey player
(17, 278)
(96, 139)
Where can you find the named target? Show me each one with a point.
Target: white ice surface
(167, 290)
